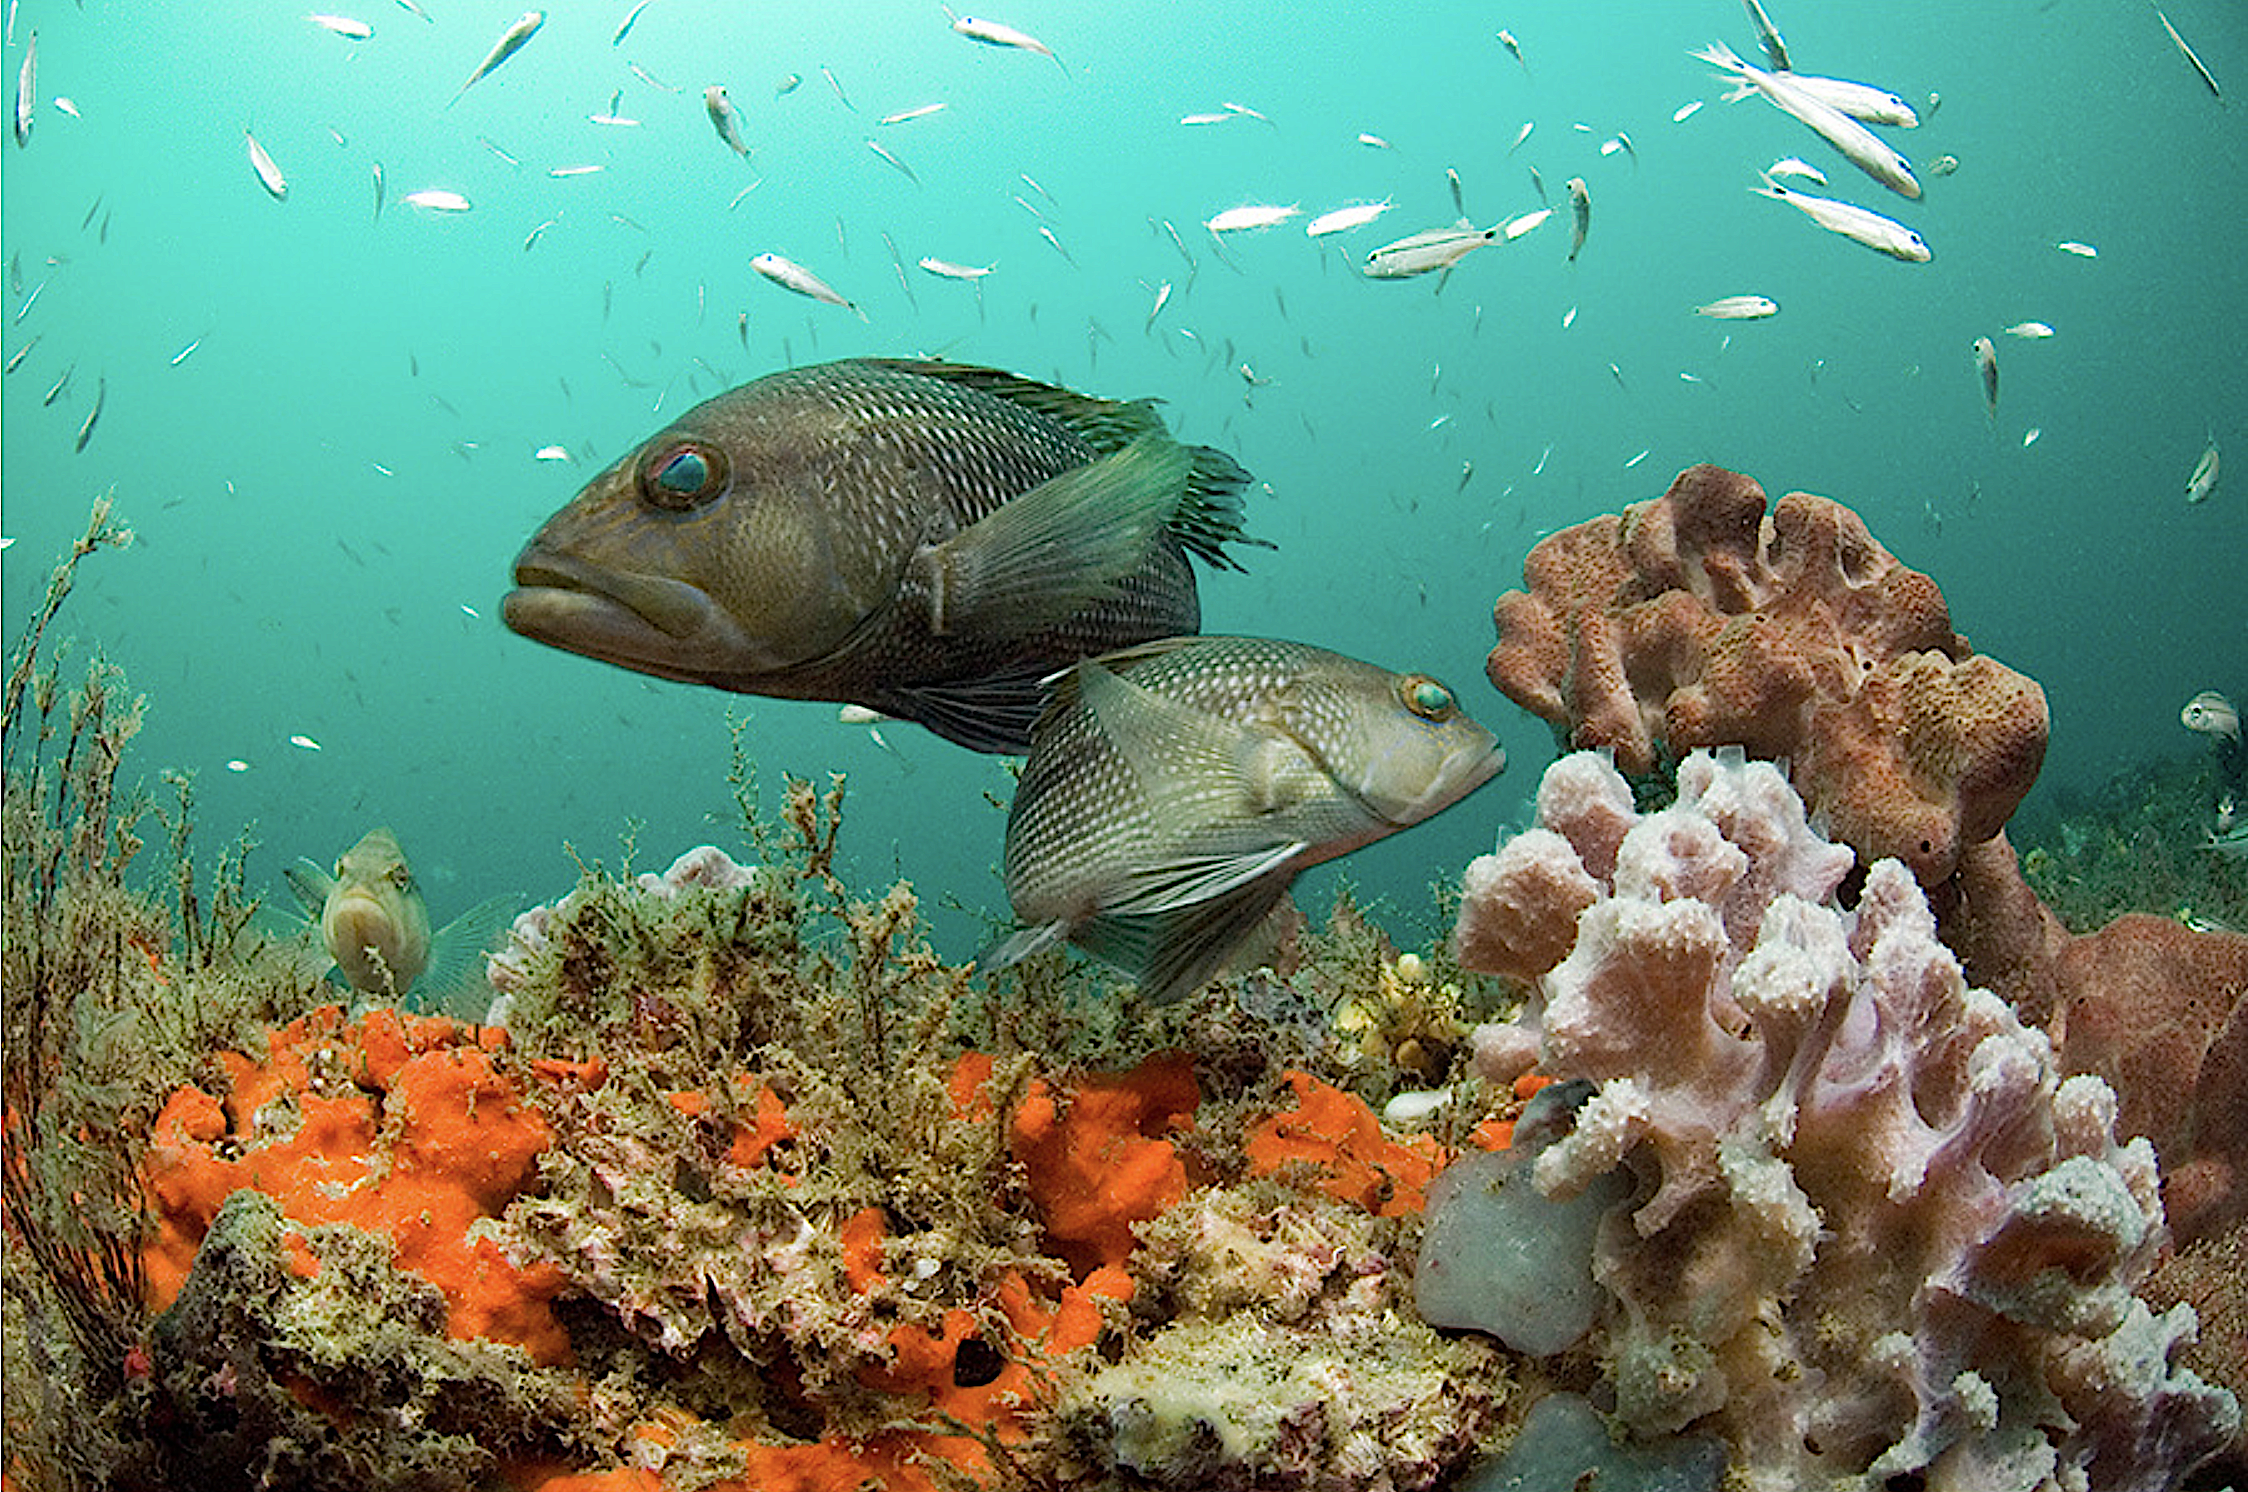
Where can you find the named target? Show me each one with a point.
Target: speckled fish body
(1174, 790)
(929, 540)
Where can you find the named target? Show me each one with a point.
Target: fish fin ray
(1026, 942)
(310, 885)
(1065, 544)
(1174, 954)
(454, 983)
(1189, 880)
(994, 714)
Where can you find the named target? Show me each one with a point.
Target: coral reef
(1873, 1231)
(1696, 621)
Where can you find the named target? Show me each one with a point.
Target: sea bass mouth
(644, 622)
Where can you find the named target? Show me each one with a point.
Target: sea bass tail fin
(1068, 542)
(455, 983)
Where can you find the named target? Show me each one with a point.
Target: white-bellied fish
(377, 215)
(1886, 235)
(437, 199)
(1986, 368)
(1580, 216)
(923, 112)
(511, 41)
(1861, 101)
(1859, 145)
(1797, 167)
(269, 174)
(2031, 331)
(625, 30)
(374, 924)
(1768, 36)
(999, 34)
(1428, 251)
(1250, 217)
(725, 119)
(27, 90)
(1740, 308)
(1687, 111)
(2211, 714)
(790, 275)
(93, 416)
(1175, 789)
(890, 158)
(347, 27)
(1524, 222)
(930, 540)
(1343, 219)
(1513, 48)
(945, 269)
(2204, 478)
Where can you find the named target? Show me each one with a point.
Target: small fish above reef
(1175, 789)
(374, 924)
(2204, 478)
(2211, 714)
(930, 540)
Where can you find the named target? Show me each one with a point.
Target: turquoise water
(329, 489)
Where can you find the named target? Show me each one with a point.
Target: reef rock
(1697, 621)
(1872, 1231)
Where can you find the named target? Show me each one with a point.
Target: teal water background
(330, 488)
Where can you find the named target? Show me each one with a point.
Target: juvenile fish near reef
(511, 41)
(2211, 714)
(790, 275)
(1986, 365)
(930, 540)
(375, 925)
(2204, 478)
(1174, 790)
(1854, 222)
(1580, 207)
(1740, 308)
(725, 119)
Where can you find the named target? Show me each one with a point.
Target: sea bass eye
(685, 476)
(1425, 697)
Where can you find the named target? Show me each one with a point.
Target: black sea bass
(929, 540)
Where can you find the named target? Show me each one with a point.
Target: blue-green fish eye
(684, 476)
(1426, 698)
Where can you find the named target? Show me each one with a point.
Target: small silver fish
(511, 41)
(1175, 789)
(347, 27)
(1580, 206)
(1796, 166)
(1886, 235)
(2208, 79)
(2033, 331)
(378, 193)
(1740, 308)
(790, 275)
(1428, 251)
(1943, 165)
(2204, 478)
(27, 90)
(1768, 36)
(903, 115)
(269, 174)
(1343, 219)
(890, 157)
(1986, 365)
(625, 30)
(999, 34)
(725, 119)
(945, 269)
(93, 416)
(437, 199)
(1859, 145)
(1251, 217)
(1513, 48)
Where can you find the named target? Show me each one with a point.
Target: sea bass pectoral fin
(1068, 542)
(1023, 943)
(454, 984)
(1171, 954)
(309, 884)
(993, 714)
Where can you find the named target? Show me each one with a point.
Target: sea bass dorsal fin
(1209, 518)
(1104, 424)
(1039, 558)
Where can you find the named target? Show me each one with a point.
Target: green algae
(2135, 843)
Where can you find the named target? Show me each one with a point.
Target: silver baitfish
(1175, 789)
(930, 540)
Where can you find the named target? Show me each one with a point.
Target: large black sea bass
(929, 540)
(1174, 789)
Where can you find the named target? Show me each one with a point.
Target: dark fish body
(928, 540)
(1175, 789)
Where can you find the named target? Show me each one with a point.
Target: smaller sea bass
(1174, 790)
(930, 540)
(375, 925)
